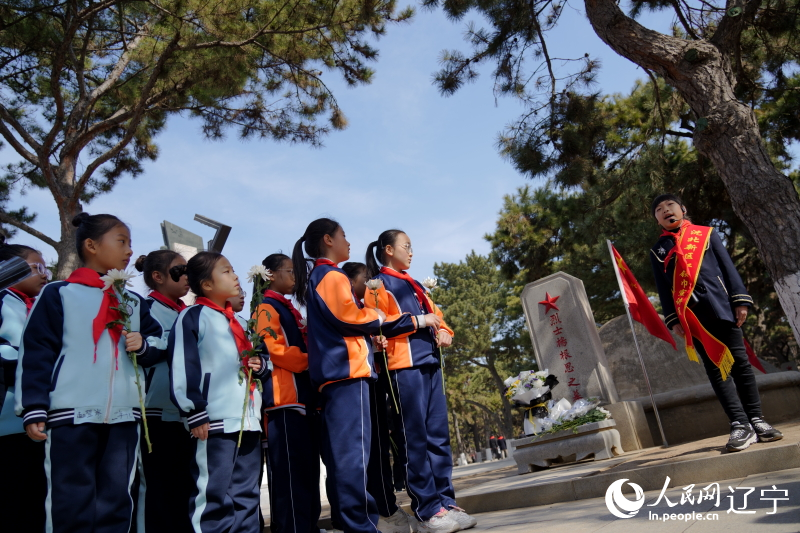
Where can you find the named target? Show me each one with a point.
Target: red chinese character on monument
(573, 383)
(565, 354)
(554, 319)
(558, 331)
(576, 395)
(561, 342)
(568, 367)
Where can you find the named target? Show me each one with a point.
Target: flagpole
(636, 342)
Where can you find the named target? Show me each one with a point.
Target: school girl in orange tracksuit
(421, 426)
(341, 365)
(289, 410)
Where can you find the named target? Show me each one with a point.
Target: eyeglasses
(408, 247)
(243, 294)
(42, 270)
(289, 270)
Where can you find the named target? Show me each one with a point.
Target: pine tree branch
(5, 117)
(682, 19)
(134, 122)
(27, 229)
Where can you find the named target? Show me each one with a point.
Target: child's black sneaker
(765, 432)
(742, 436)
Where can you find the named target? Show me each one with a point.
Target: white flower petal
(374, 284)
(429, 283)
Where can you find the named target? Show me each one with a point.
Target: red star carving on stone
(549, 302)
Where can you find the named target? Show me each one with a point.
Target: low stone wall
(695, 413)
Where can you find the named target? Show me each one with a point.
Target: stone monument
(566, 343)
(181, 240)
(565, 338)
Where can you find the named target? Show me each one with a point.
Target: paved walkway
(588, 516)
(486, 481)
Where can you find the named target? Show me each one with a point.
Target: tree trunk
(68, 259)
(458, 434)
(507, 427)
(762, 197)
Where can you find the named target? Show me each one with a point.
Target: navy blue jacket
(719, 287)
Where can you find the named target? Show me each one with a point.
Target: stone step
(681, 473)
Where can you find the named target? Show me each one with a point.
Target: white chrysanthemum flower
(430, 283)
(374, 284)
(114, 275)
(259, 271)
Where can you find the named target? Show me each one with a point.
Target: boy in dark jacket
(705, 302)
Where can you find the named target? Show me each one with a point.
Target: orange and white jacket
(289, 386)
(339, 344)
(410, 349)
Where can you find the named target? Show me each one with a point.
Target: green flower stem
(255, 340)
(244, 407)
(386, 358)
(441, 351)
(132, 355)
(386, 368)
(125, 321)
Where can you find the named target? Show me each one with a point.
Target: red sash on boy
(298, 318)
(105, 315)
(24, 297)
(418, 290)
(242, 342)
(689, 250)
(172, 304)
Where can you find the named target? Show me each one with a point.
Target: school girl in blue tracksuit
(207, 354)
(24, 485)
(421, 426)
(289, 407)
(164, 478)
(341, 366)
(393, 519)
(76, 386)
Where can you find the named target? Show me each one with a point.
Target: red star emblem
(549, 302)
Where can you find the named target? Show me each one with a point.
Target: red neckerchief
(324, 261)
(298, 318)
(242, 342)
(418, 290)
(24, 297)
(675, 235)
(105, 315)
(172, 304)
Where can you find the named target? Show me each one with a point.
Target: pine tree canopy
(86, 86)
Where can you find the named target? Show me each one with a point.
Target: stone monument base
(598, 440)
(634, 430)
(694, 413)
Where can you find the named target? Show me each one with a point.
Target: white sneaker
(399, 522)
(461, 517)
(438, 523)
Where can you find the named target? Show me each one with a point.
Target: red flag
(751, 356)
(638, 303)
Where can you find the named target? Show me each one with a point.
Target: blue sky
(409, 159)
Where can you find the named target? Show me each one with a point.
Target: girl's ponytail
(313, 245)
(372, 263)
(300, 266)
(387, 238)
